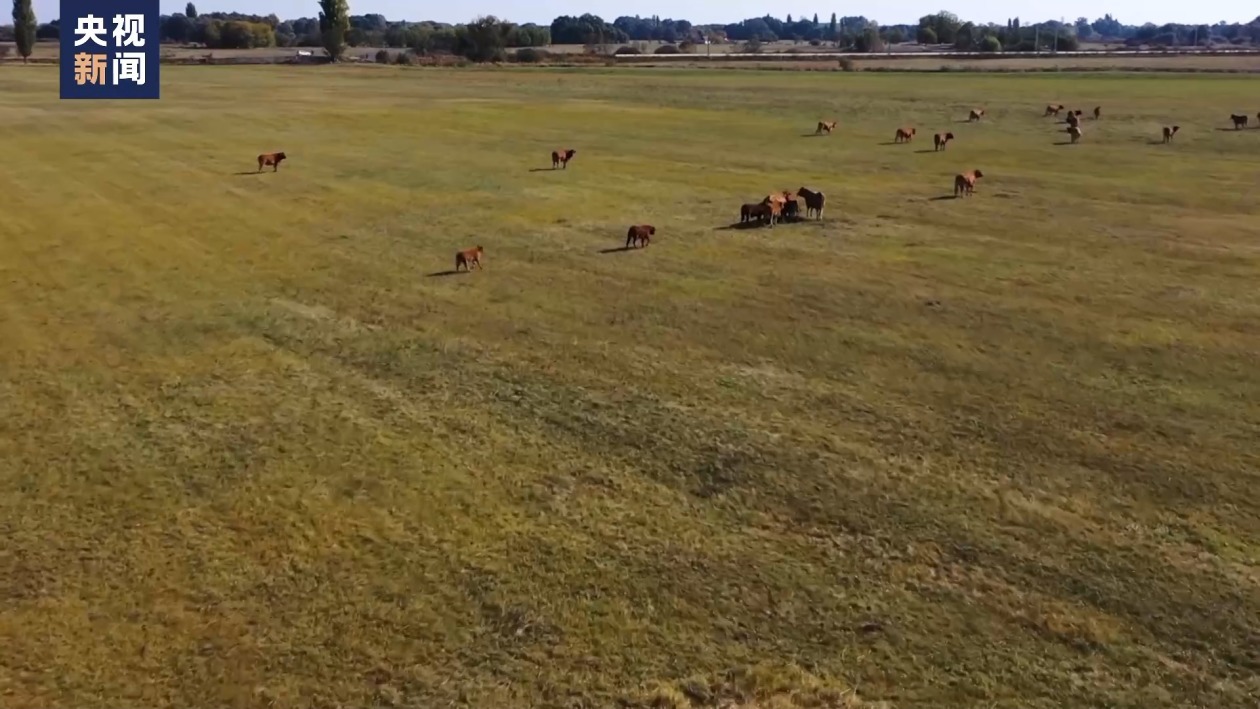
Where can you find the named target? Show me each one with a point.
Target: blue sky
(705, 11)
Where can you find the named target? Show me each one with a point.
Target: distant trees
(24, 26)
(374, 30)
(588, 29)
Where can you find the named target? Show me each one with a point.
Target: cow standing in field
(1239, 121)
(1097, 112)
(1169, 132)
(965, 183)
(904, 135)
(1053, 109)
(1074, 132)
(814, 202)
(975, 115)
(469, 256)
(941, 139)
(561, 158)
(825, 127)
(273, 159)
(639, 235)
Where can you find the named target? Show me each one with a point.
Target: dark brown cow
(1097, 112)
(1169, 132)
(814, 202)
(975, 115)
(640, 235)
(940, 139)
(1239, 121)
(904, 135)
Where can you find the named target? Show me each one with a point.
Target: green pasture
(999, 451)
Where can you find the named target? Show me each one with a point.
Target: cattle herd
(781, 206)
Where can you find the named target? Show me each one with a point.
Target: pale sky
(709, 11)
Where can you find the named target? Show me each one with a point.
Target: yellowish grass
(995, 452)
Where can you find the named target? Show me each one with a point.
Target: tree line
(488, 38)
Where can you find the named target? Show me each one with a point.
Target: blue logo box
(109, 49)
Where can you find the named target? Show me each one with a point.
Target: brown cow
(1097, 112)
(469, 256)
(1239, 121)
(940, 139)
(1075, 132)
(975, 115)
(825, 127)
(272, 159)
(965, 183)
(562, 157)
(1073, 119)
(640, 234)
(904, 135)
(780, 200)
(1053, 109)
(1169, 132)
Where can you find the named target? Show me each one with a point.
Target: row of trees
(486, 38)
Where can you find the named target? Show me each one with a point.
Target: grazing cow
(975, 115)
(904, 135)
(272, 159)
(1097, 112)
(562, 157)
(640, 234)
(814, 202)
(1073, 120)
(940, 139)
(1075, 132)
(1053, 109)
(825, 127)
(1239, 121)
(965, 183)
(748, 211)
(1169, 132)
(469, 256)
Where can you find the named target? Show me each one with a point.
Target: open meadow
(257, 449)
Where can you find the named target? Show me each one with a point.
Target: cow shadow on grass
(618, 249)
(740, 226)
(929, 150)
(1063, 142)
(544, 169)
(443, 274)
(754, 224)
(247, 173)
(944, 197)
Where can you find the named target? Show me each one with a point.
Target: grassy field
(986, 452)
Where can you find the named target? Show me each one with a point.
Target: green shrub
(668, 49)
(531, 55)
(382, 56)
